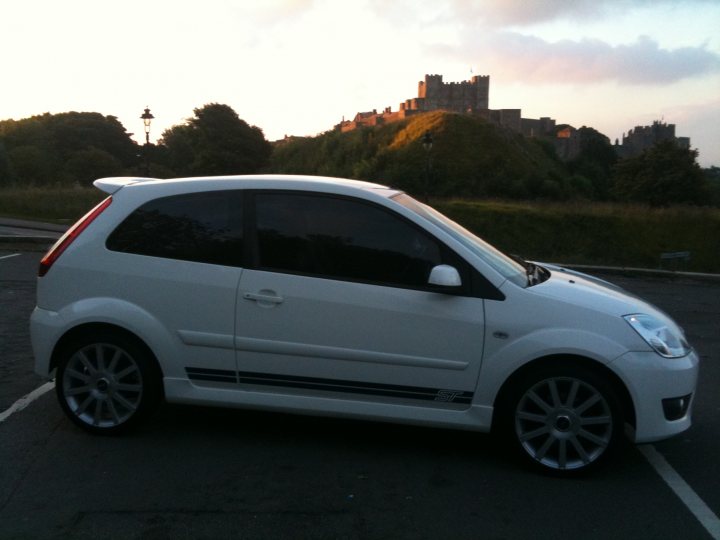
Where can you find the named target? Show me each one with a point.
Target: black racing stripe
(330, 385)
(356, 387)
(218, 375)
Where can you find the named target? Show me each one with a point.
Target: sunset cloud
(505, 13)
(517, 57)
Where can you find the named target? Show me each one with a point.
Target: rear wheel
(564, 419)
(106, 382)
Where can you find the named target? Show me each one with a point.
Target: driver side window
(341, 238)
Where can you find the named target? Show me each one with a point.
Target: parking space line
(24, 401)
(687, 495)
(8, 256)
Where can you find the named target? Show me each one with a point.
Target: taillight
(73, 232)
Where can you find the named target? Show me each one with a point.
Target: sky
(298, 67)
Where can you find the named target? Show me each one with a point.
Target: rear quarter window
(200, 227)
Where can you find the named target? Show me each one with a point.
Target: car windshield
(500, 262)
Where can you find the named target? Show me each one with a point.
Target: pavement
(29, 235)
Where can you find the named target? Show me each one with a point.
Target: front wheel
(565, 419)
(106, 382)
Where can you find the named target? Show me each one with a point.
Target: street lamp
(147, 117)
(427, 142)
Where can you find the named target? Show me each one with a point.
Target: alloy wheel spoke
(580, 450)
(100, 357)
(573, 393)
(77, 375)
(589, 402)
(78, 390)
(562, 453)
(540, 402)
(84, 405)
(125, 372)
(540, 454)
(85, 361)
(534, 433)
(113, 411)
(124, 402)
(539, 418)
(595, 420)
(592, 438)
(113, 362)
(98, 412)
(556, 401)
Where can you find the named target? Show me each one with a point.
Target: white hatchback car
(338, 297)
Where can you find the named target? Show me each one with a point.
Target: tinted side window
(201, 227)
(342, 239)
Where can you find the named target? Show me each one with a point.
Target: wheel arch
(88, 329)
(506, 390)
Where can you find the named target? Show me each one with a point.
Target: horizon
(297, 67)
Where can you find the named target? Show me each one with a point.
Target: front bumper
(662, 391)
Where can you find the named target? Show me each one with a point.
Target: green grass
(581, 233)
(593, 233)
(58, 204)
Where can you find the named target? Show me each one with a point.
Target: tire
(107, 382)
(564, 420)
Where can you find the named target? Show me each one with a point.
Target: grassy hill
(470, 158)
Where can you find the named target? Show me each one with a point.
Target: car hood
(593, 293)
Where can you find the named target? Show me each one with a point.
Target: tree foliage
(470, 157)
(215, 142)
(663, 175)
(64, 148)
(594, 164)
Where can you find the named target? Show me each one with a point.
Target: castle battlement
(462, 97)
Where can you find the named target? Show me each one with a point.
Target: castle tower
(482, 91)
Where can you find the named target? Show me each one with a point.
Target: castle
(464, 97)
(641, 138)
(472, 97)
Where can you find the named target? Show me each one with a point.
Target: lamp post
(147, 117)
(427, 142)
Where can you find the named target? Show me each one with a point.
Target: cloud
(503, 13)
(516, 57)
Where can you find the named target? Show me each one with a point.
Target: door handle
(266, 298)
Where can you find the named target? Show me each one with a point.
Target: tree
(39, 148)
(7, 175)
(215, 142)
(663, 175)
(87, 165)
(595, 161)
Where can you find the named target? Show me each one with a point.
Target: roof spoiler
(112, 185)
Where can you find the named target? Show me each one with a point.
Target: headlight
(666, 341)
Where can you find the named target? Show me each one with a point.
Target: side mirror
(444, 275)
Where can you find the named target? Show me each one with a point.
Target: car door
(337, 304)
(188, 252)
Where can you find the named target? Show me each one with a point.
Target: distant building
(471, 97)
(640, 138)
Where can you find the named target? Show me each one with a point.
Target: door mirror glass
(444, 275)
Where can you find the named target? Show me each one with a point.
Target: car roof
(257, 181)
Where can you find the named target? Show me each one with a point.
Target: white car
(337, 297)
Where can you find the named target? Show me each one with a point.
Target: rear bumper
(45, 331)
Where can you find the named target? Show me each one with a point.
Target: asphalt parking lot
(215, 473)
